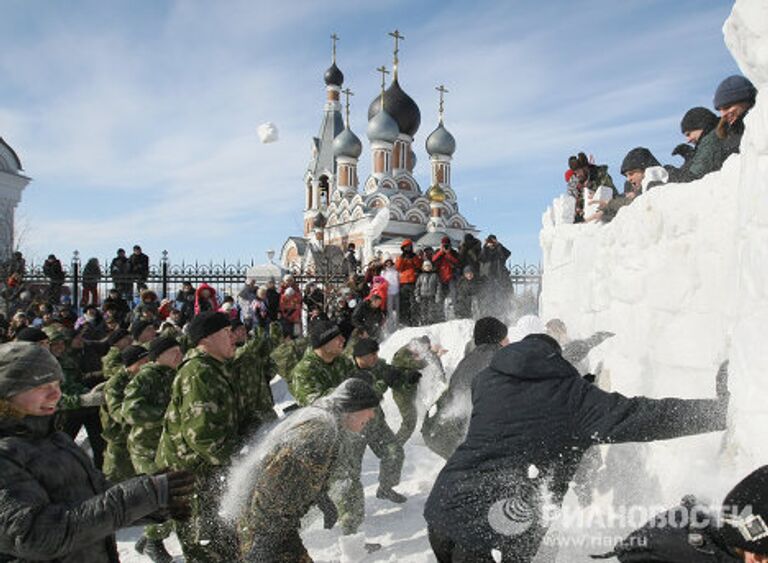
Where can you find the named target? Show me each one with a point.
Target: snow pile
(681, 278)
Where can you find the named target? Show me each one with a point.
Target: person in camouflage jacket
(297, 470)
(146, 398)
(79, 405)
(252, 369)
(288, 354)
(117, 461)
(323, 367)
(410, 361)
(201, 433)
(118, 341)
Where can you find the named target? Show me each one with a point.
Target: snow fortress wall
(681, 277)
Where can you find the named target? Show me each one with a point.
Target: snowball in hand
(267, 132)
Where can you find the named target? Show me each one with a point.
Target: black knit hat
(698, 118)
(365, 346)
(489, 330)
(638, 158)
(31, 334)
(24, 366)
(117, 335)
(745, 514)
(205, 324)
(138, 327)
(354, 395)
(133, 354)
(160, 345)
(734, 89)
(321, 332)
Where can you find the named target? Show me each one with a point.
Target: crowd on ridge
(710, 140)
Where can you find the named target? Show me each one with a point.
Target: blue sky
(137, 120)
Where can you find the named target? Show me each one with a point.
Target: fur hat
(353, 395)
(161, 344)
(734, 89)
(31, 334)
(745, 514)
(365, 346)
(322, 332)
(133, 354)
(138, 327)
(24, 366)
(205, 324)
(698, 118)
(489, 330)
(638, 158)
(579, 161)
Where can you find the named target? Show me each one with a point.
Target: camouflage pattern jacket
(111, 362)
(146, 398)
(201, 424)
(313, 378)
(287, 355)
(72, 386)
(114, 427)
(293, 473)
(252, 369)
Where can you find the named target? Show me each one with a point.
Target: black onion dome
(400, 106)
(333, 76)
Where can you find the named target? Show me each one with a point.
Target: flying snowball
(268, 132)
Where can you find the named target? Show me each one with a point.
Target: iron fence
(166, 279)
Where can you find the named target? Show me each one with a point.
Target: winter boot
(155, 550)
(390, 494)
(141, 544)
(372, 547)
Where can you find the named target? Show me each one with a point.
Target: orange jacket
(409, 268)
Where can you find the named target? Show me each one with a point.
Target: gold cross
(334, 39)
(384, 72)
(397, 36)
(442, 91)
(347, 94)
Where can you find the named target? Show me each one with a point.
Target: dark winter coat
(368, 318)
(705, 159)
(139, 266)
(465, 291)
(91, 272)
(273, 303)
(530, 407)
(444, 430)
(469, 253)
(493, 262)
(730, 140)
(53, 271)
(54, 504)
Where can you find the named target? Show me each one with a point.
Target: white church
(391, 206)
(12, 184)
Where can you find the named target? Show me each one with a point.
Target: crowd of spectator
(710, 140)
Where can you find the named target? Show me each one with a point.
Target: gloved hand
(392, 376)
(329, 510)
(589, 377)
(721, 381)
(412, 377)
(685, 150)
(93, 398)
(176, 489)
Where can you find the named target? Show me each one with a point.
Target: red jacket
(445, 262)
(409, 268)
(290, 306)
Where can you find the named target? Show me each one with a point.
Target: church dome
(333, 76)
(382, 127)
(400, 106)
(440, 141)
(347, 144)
(436, 194)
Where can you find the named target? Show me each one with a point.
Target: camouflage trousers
(145, 464)
(347, 489)
(117, 462)
(405, 399)
(278, 548)
(205, 537)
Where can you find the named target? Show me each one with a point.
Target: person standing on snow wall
(531, 415)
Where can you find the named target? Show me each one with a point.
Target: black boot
(155, 550)
(390, 494)
(141, 544)
(372, 547)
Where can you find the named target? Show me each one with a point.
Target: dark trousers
(407, 314)
(72, 421)
(517, 549)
